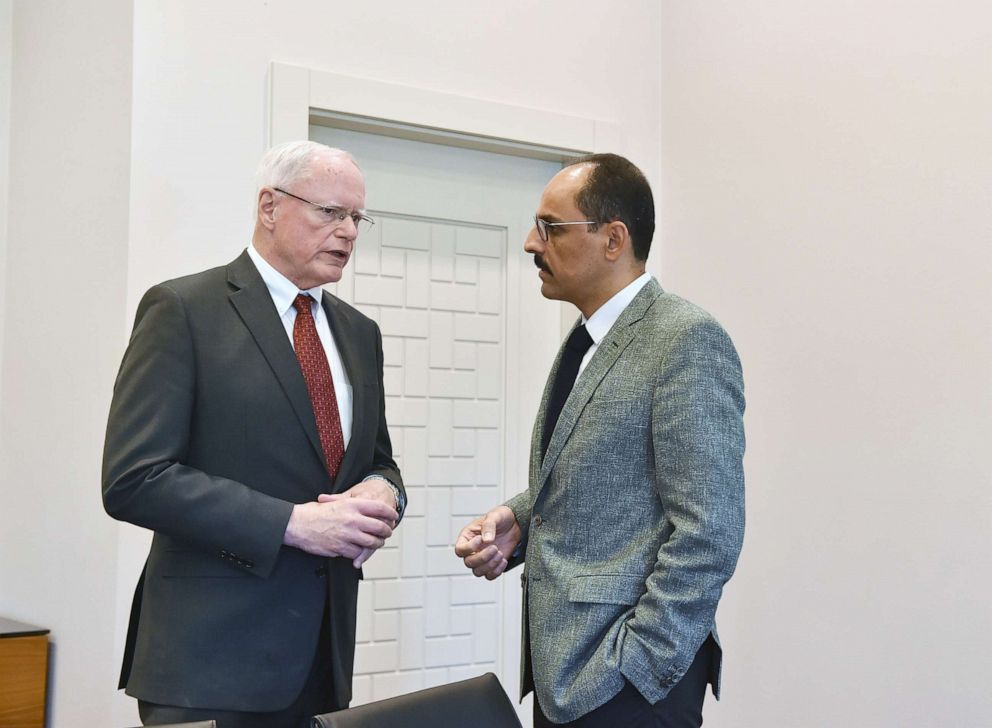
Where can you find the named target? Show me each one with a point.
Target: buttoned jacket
(210, 442)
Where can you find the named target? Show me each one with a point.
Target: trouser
(681, 708)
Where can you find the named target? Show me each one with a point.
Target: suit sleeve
(145, 480)
(521, 506)
(383, 464)
(697, 435)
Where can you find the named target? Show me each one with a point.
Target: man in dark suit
(635, 513)
(248, 431)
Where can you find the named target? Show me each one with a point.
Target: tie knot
(579, 340)
(302, 304)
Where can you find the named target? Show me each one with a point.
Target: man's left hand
(372, 489)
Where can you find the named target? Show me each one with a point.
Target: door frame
(300, 96)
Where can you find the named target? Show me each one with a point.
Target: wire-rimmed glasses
(336, 215)
(543, 225)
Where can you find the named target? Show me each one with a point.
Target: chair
(196, 724)
(479, 702)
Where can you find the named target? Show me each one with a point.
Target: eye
(333, 213)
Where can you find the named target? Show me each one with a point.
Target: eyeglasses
(336, 215)
(543, 225)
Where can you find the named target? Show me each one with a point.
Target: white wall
(826, 191)
(63, 309)
(6, 56)
(200, 79)
(200, 73)
(189, 128)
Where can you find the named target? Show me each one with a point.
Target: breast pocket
(623, 589)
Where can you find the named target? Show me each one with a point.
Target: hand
(487, 543)
(374, 489)
(338, 525)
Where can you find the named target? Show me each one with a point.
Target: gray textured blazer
(211, 440)
(634, 520)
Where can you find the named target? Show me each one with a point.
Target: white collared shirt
(284, 292)
(606, 315)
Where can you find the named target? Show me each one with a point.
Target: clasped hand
(486, 544)
(352, 524)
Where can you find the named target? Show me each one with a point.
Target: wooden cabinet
(23, 674)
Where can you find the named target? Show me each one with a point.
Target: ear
(618, 240)
(266, 208)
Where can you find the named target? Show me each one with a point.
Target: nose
(533, 243)
(347, 228)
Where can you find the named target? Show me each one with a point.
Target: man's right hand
(339, 526)
(486, 544)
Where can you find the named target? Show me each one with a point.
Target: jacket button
(538, 521)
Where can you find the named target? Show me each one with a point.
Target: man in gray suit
(634, 517)
(248, 431)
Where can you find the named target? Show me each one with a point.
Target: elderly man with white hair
(248, 432)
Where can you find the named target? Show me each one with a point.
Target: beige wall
(63, 311)
(827, 177)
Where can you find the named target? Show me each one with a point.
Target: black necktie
(575, 348)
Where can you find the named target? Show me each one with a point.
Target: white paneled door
(468, 341)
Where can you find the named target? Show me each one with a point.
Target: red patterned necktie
(317, 374)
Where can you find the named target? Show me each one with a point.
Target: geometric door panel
(435, 287)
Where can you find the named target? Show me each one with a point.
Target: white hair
(289, 162)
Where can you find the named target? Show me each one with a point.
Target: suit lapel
(253, 303)
(346, 340)
(624, 331)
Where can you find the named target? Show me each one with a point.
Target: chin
(331, 274)
(549, 292)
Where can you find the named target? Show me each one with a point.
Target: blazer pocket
(623, 589)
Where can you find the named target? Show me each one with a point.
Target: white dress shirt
(606, 315)
(284, 292)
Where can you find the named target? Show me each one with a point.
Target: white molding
(289, 104)
(298, 92)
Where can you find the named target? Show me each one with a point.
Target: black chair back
(195, 724)
(479, 703)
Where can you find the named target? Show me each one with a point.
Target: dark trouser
(315, 699)
(681, 708)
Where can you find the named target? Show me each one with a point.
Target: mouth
(539, 262)
(338, 255)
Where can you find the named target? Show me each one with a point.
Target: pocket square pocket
(623, 589)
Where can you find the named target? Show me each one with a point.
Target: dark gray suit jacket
(635, 516)
(211, 440)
